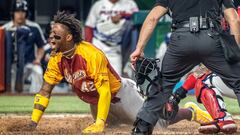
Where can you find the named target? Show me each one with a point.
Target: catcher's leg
(222, 87)
(214, 104)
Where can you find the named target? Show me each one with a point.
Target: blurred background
(19, 76)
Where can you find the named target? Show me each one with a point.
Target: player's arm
(39, 56)
(233, 19)
(99, 72)
(104, 101)
(41, 101)
(91, 22)
(88, 33)
(103, 108)
(40, 42)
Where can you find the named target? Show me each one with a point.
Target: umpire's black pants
(185, 51)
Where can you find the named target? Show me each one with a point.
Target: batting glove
(96, 127)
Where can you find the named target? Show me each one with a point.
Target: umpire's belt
(186, 25)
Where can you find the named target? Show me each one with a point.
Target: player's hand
(134, 56)
(37, 62)
(116, 18)
(96, 127)
(31, 126)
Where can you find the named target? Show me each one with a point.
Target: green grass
(72, 104)
(231, 104)
(57, 104)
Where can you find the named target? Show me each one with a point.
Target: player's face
(19, 17)
(57, 37)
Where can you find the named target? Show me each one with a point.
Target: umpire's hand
(136, 55)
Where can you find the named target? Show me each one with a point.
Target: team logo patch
(77, 75)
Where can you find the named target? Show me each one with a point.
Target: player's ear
(69, 37)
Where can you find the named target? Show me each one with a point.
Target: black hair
(73, 24)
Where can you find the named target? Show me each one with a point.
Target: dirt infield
(73, 124)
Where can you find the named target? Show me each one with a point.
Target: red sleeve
(190, 82)
(239, 11)
(126, 15)
(88, 34)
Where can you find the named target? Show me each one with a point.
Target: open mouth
(53, 45)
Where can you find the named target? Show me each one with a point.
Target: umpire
(194, 40)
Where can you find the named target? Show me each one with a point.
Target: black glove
(171, 108)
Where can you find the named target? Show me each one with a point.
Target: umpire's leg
(213, 58)
(230, 73)
(176, 63)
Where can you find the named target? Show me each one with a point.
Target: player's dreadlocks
(72, 23)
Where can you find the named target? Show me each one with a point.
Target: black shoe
(142, 127)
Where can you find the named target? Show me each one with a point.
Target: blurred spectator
(107, 23)
(21, 37)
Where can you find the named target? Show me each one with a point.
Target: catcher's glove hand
(170, 108)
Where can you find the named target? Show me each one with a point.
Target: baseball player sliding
(88, 71)
(92, 78)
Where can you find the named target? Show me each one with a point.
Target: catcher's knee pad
(142, 127)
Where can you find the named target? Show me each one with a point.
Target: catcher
(93, 79)
(209, 89)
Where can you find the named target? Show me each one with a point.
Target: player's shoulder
(54, 59)
(89, 50)
(8, 25)
(31, 23)
(99, 3)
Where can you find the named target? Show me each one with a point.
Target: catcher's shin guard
(215, 105)
(142, 127)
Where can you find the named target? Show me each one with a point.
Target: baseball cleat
(227, 127)
(208, 129)
(198, 114)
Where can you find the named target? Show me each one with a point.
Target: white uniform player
(107, 31)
